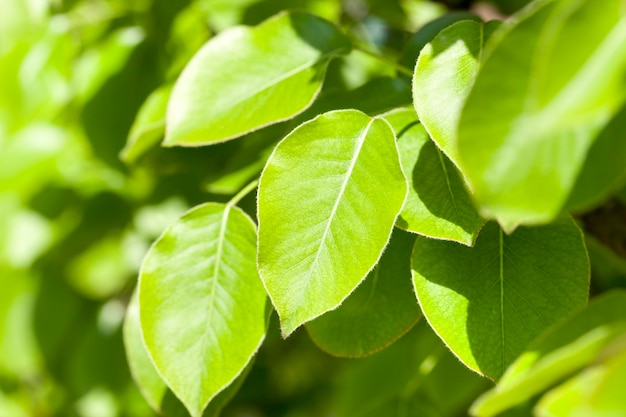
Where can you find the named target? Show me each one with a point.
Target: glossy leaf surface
(328, 198)
(444, 75)
(202, 305)
(568, 347)
(378, 312)
(548, 87)
(438, 204)
(248, 80)
(490, 301)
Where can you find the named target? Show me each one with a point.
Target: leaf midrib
(342, 190)
(211, 299)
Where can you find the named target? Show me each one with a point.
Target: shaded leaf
(438, 205)
(568, 347)
(604, 170)
(490, 301)
(378, 312)
(149, 126)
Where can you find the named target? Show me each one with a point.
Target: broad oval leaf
(245, 78)
(443, 77)
(328, 198)
(438, 204)
(202, 304)
(150, 383)
(378, 312)
(548, 87)
(490, 301)
(564, 349)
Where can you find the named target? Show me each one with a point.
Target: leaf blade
(248, 81)
(317, 176)
(201, 333)
(489, 287)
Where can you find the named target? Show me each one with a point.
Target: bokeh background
(79, 207)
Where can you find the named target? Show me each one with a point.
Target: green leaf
(247, 78)
(490, 301)
(149, 126)
(202, 305)
(540, 99)
(416, 376)
(378, 312)
(328, 199)
(604, 170)
(444, 75)
(438, 205)
(151, 385)
(596, 392)
(562, 350)
(427, 33)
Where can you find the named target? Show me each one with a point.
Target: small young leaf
(202, 305)
(378, 312)
(539, 100)
(438, 205)
(444, 75)
(151, 385)
(328, 199)
(489, 301)
(247, 78)
(149, 126)
(562, 350)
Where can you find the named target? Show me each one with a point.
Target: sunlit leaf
(202, 305)
(568, 347)
(438, 205)
(328, 199)
(444, 75)
(243, 79)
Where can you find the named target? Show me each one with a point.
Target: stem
(400, 68)
(243, 192)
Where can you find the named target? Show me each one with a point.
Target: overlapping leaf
(563, 350)
(202, 305)
(152, 386)
(378, 312)
(149, 125)
(247, 78)
(444, 75)
(490, 301)
(438, 205)
(328, 199)
(548, 87)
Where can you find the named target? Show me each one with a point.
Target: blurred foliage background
(79, 207)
